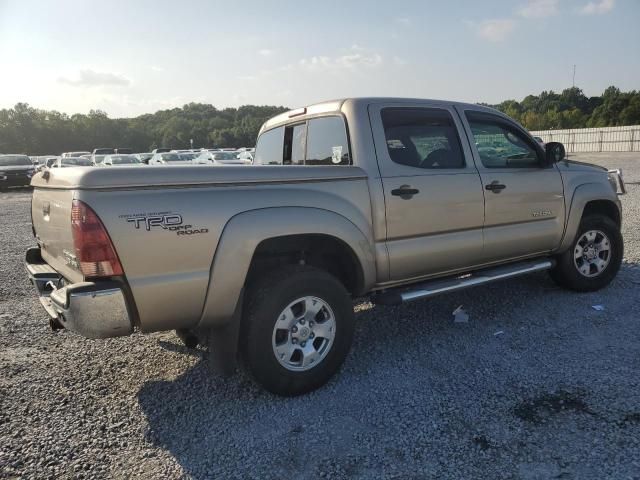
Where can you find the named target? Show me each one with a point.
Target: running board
(431, 288)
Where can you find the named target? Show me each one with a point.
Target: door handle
(495, 186)
(405, 192)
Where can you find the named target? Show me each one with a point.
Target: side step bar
(432, 288)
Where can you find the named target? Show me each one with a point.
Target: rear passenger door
(433, 193)
(524, 199)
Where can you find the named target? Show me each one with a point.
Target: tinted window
(422, 138)
(327, 142)
(499, 145)
(269, 147)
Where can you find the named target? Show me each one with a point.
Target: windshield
(11, 160)
(187, 156)
(123, 159)
(172, 157)
(225, 156)
(80, 162)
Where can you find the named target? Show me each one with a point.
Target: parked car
(422, 197)
(123, 151)
(74, 154)
(65, 162)
(15, 171)
(187, 156)
(144, 157)
(218, 158)
(246, 157)
(540, 141)
(160, 150)
(168, 158)
(120, 161)
(102, 151)
(97, 159)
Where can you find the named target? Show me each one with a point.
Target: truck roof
(336, 106)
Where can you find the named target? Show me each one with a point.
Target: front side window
(327, 142)
(269, 147)
(422, 138)
(499, 145)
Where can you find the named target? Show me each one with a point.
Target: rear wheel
(593, 259)
(298, 329)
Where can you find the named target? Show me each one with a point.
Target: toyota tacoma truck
(394, 199)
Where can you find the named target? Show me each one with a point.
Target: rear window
(327, 142)
(10, 160)
(319, 141)
(422, 138)
(269, 147)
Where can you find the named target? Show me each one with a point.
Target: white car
(120, 161)
(66, 162)
(218, 158)
(169, 158)
(74, 154)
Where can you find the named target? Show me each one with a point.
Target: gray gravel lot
(556, 395)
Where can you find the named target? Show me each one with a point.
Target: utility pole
(574, 76)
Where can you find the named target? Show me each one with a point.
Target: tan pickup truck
(397, 199)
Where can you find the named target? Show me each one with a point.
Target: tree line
(573, 109)
(33, 131)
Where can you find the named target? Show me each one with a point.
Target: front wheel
(298, 329)
(594, 258)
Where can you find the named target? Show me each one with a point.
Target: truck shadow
(414, 356)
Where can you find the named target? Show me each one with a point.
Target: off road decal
(170, 221)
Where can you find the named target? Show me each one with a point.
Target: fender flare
(244, 232)
(582, 195)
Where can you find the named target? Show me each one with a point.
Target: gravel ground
(555, 395)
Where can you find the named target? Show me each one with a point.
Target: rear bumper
(91, 309)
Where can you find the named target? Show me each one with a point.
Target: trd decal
(164, 220)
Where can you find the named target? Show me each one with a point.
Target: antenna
(574, 76)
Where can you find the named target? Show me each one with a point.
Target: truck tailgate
(51, 214)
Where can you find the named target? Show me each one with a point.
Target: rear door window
(422, 138)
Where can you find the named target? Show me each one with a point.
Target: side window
(269, 147)
(327, 142)
(499, 145)
(295, 139)
(422, 138)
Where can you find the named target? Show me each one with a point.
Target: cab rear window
(317, 141)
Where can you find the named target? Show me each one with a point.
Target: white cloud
(155, 68)
(357, 57)
(265, 52)
(539, 9)
(598, 7)
(91, 78)
(495, 30)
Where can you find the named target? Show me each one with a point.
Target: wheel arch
(257, 233)
(590, 198)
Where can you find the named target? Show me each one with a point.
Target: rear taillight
(94, 251)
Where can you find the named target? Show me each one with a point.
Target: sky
(133, 57)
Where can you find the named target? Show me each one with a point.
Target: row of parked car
(17, 170)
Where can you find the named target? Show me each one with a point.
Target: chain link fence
(607, 139)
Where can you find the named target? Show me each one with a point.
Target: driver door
(524, 198)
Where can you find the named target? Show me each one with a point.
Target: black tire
(266, 300)
(567, 275)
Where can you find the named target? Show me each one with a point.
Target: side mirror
(554, 152)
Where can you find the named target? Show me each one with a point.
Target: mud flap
(222, 343)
